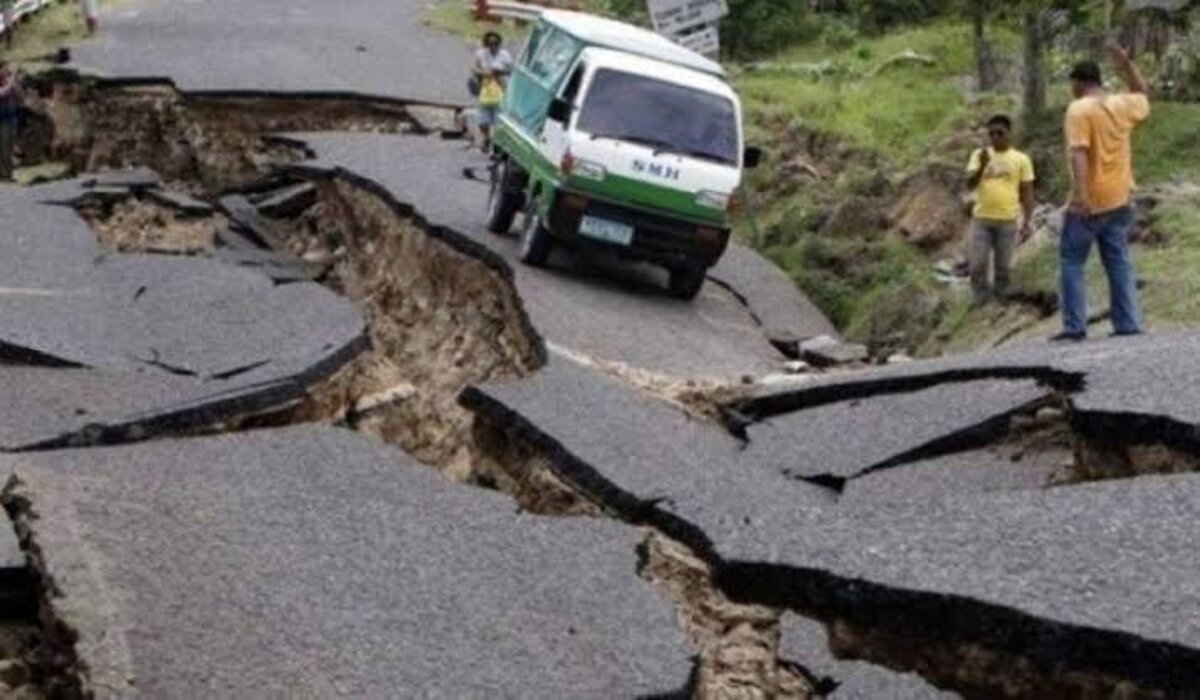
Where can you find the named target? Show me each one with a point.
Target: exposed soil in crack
(738, 645)
(439, 320)
(971, 669)
(37, 656)
(207, 142)
(137, 225)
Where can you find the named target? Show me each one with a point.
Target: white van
(612, 137)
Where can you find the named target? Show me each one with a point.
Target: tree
(985, 58)
(1033, 79)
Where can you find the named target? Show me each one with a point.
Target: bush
(878, 15)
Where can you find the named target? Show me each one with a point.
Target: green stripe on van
(620, 190)
(650, 196)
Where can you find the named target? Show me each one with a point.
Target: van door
(543, 67)
(556, 135)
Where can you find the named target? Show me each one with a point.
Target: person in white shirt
(493, 63)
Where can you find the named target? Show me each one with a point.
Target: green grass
(898, 111)
(1170, 299)
(1167, 146)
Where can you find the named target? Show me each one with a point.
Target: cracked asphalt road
(1074, 577)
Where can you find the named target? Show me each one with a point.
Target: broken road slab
(1078, 581)
(315, 562)
(1081, 584)
(644, 459)
(1140, 390)
(888, 430)
(183, 315)
(978, 471)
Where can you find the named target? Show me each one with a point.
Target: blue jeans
(1110, 231)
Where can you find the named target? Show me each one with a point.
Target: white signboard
(673, 16)
(705, 41)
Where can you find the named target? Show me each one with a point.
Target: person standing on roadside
(1098, 130)
(10, 104)
(493, 65)
(1002, 179)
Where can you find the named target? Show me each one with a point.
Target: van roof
(600, 31)
(622, 61)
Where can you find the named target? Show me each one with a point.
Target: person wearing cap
(1098, 130)
(493, 65)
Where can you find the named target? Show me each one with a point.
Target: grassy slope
(871, 285)
(894, 117)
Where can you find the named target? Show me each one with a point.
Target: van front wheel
(535, 239)
(686, 282)
(504, 200)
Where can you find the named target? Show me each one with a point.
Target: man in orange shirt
(1098, 130)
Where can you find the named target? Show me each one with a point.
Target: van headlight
(588, 170)
(714, 200)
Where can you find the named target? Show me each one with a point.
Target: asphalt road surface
(369, 47)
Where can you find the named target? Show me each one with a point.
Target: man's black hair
(1087, 72)
(1001, 120)
(489, 35)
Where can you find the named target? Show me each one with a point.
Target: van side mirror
(752, 157)
(560, 110)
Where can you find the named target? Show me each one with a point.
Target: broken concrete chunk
(289, 202)
(136, 179)
(434, 120)
(843, 440)
(826, 351)
(185, 204)
(316, 559)
(257, 226)
(366, 405)
(108, 193)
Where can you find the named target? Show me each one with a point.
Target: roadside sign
(705, 41)
(671, 17)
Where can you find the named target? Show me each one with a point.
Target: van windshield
(671, 118)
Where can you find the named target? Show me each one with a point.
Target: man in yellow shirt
(1002, 179)
(1098, 130)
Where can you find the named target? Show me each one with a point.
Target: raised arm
(1127, 68)
(976, 167)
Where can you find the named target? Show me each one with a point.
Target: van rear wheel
(686, 282)
(505, 198)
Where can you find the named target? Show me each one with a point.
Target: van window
(667, 116)
(554, 58)
(531, 45)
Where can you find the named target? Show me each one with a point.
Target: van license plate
(605, 230)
